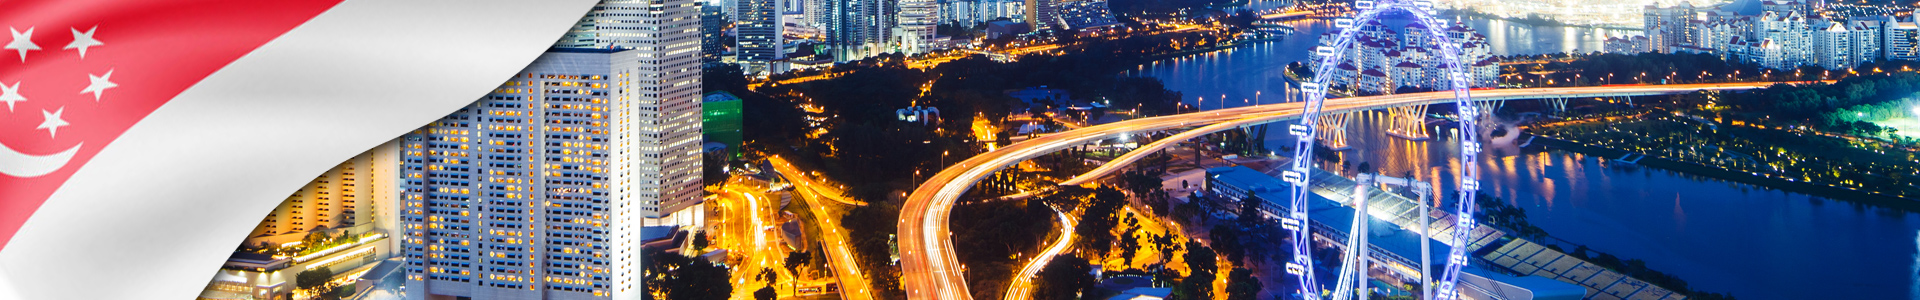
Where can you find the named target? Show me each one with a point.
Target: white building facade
(1382, 60)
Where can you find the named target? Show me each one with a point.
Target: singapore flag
(140, 140)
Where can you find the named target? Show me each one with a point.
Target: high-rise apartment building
(1669, 26)
(1865, 43)
(533, 191)
(1899, 39)
(538, 190)
(759, 35)
(1830, 47)
(349, 195)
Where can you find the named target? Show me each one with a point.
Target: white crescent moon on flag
(16, 164)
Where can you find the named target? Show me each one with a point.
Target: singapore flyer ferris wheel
(1297, 173)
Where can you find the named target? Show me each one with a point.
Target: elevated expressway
(931, 271)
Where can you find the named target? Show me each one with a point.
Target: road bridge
(931, 271)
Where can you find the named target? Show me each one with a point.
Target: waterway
(1720, 236)
(1236, 74)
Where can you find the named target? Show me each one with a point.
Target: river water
(1720, 236)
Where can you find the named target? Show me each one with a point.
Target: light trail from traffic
(853, 283)
(801, 179)
(761, 254)
(1022, 286)
(931, 271)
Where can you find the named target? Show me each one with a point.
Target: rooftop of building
(1247, 179)
(583, 50)
(651, 233)
(1542, 288)
(719, 96)
(1143, 293)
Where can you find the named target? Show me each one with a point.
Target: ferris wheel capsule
(1343, 23)
(1293, 177)
(1363, 4)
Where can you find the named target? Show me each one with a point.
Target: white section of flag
(155, 213)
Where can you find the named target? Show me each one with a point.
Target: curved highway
(1022, 286)
(853, 283)
(931, 271)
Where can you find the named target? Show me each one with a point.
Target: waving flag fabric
(140, 140)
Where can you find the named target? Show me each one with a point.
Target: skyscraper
(667, 90)
(918, 20)
(537, 190)
(859, 28)
(712, 26)
(759, 28)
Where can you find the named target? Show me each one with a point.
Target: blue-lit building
(1392, 247)
(1227, 187)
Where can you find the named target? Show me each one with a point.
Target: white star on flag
(99, 84)
(83, 40)
(22, 41)
(53, 122)
(11, 94)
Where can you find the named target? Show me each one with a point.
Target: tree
(794, 261)
(1241, 285)
(713, 167)
(1199, 283)
(765, 293)
(313, 277)
(1096, 225)
(685, 278)
(1168, 244)
(1197, 286)
(1064, 278)
(1228, 241)
(700, 240)
(1130, 240)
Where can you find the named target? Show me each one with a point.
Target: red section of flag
(135, 55)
